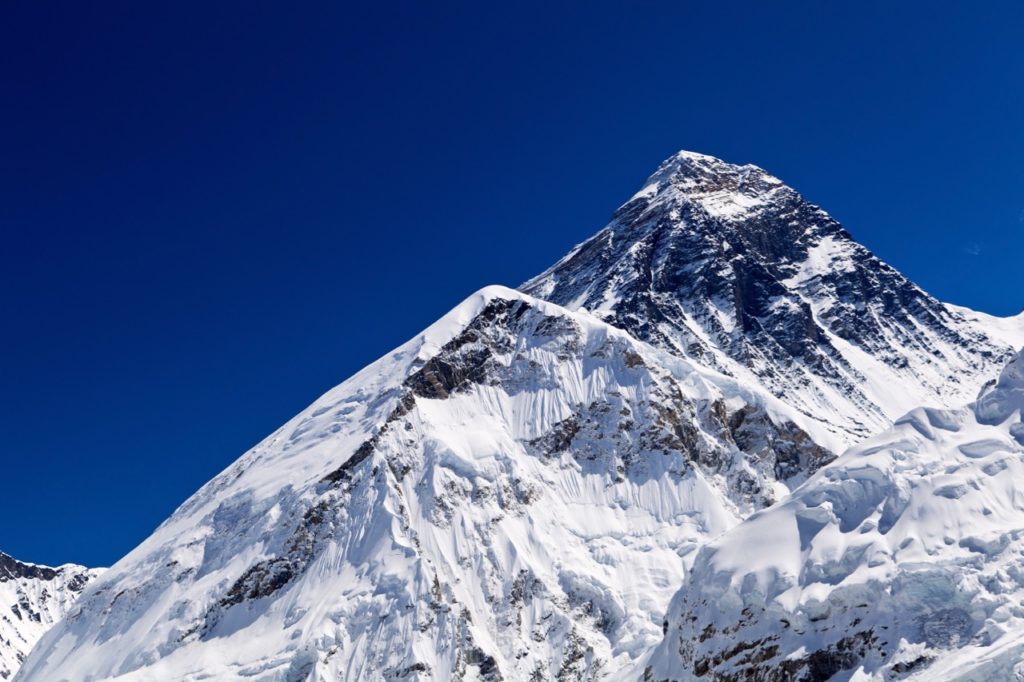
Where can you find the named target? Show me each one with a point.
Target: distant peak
(693, 173)
(693, 156)
(687, 162)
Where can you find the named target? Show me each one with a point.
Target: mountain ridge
(729, 265)
(518, 491)
(32, 598)
(565, 411)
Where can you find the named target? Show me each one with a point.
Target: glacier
(902, 559)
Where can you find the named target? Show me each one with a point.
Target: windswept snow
(514, 493)
(903, 558)
(518, 492)
(32, 599)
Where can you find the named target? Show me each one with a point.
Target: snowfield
(32, 599)
(903, 558)
(514, 493)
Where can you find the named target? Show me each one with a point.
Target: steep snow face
(518, 492)
(32, 599)
(903, 558)
(515, 494)
(727, 264)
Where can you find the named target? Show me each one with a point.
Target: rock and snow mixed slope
(904, 558)
(727, 264)
(32, 599)
(518, 492)
(511, 495)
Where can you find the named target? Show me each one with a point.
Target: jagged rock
(409, 500)
(32, 599)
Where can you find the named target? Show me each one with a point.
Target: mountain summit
(729, 266)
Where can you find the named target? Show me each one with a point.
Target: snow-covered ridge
(731, 267)
(515, 492)
(518, 491)
(32, 598)
(902, 559)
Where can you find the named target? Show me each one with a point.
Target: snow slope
(518, 492)
(32, 599)
(514, 494)
(730, 266)
(904, 558)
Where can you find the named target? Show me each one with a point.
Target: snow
(526, 490)
(673, 257)
(827, 256)
(32, 598)
(1009, 330)
(912, 538)
(466, 531)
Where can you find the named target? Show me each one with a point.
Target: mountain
(903, 558)
(729, 266)
(510, 495)
(32, 599)
(519, 491)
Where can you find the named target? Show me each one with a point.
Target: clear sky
(213, 212)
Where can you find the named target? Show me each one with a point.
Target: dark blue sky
(213, 212)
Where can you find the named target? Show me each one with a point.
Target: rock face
(512, 495)
(905, 557)
(731, 267)
(32, 599)
(517, 493)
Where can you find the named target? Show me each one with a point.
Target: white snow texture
(627, 470)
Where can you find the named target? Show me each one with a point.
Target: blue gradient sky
(213, 212)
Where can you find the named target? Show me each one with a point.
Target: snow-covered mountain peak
(518, 491)
(723, 189)
(693, 169)
(32, 598)
(729, 266)
(513, 494)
